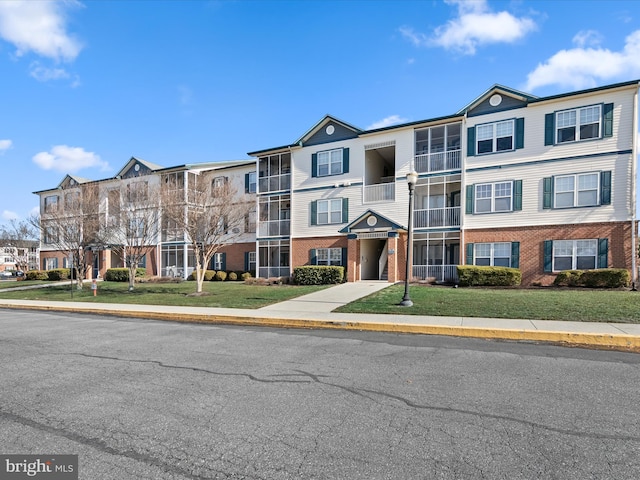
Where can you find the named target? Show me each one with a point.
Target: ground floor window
(492, 254)
(327, 256)
(50, 263)
(575, 254)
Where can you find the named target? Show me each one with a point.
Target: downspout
(634, 160)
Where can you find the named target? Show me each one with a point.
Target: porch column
(353, 256)
(392, 250)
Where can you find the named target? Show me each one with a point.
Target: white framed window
(252, 182)
(218, 261)
(137, 192)
(579, 124)
(219, 183)
(579, 190)
(136, 228)
(494, 197)
(575, 254)
(329, 256)
(329, 211)
(495, 137)
(251, 261)
(51, 204)
(329, 163)
(50, 235)
(492, 254)
(50, 263)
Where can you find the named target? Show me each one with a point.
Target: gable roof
(500, 90)
(386, 221)
(132, 161)
(325, 121)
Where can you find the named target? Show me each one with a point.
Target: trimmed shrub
(233, 276)
(220, 276)
(58, 274)
(318, 275)
(37, 275)
(246, 276)
(601, 278)
(208, 275)
(122, 274)
(480, 276)
(568, 278)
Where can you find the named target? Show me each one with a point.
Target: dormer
(136, 167)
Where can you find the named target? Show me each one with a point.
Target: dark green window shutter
(605, 188)
(246, 183)
(313, 257)
(547, 192)
(603, 250)
(515, 254)
(469, 259)
(314, 212)
(314, 165)
(345, 210)
(469, 199)
(548, 256)
(607, 117)
(471, 141)
(517, 195)
(246, 261)
(345, 160)
(549, 128)
(223, 261)
(519, 132)
(344, 257)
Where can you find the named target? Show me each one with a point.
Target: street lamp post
(412, 178)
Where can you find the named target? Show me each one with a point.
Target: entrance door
(370, 252)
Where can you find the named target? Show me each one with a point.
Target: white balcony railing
(436, 162)
(437, 217)
(274, 183)
(382, 192)
(441, 273)
(274, 228)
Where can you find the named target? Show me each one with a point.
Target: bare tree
(71, 225)
(211, 216)
(18, 238)
(132, 225)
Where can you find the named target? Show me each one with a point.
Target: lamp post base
(406, 302)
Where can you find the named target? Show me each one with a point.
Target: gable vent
(390, 143)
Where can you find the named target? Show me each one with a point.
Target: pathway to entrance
(330, 298)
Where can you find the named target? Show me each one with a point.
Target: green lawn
(218, 294)
(543, 304)
(22, 283)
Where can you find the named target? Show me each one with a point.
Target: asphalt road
(139, 399)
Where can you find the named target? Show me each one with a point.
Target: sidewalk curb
(619, 342)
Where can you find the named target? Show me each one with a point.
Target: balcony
(274, 228)
(274, 183)
(437, 162)
(382, 192)
(441, 273)
(437, 217)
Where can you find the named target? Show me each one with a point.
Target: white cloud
(5, 145)
(67, 159)
(9, 215)
(44, 74)
(582, 67)
(474, 26)
(39, 27)
(585, 38)
(386, 122)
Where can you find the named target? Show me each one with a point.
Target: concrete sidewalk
(314, 311)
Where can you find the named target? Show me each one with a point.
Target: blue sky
(84, 86)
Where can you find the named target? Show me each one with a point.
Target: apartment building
(541, 184)
(141, 185)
